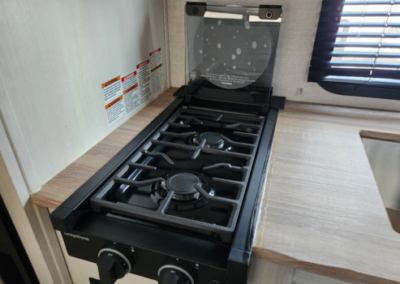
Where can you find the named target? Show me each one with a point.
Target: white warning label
(114, 104)
(157, 79)
(143, 73)
(112, 89)
(115, 109)
(131, 96)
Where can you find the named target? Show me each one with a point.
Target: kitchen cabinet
(303, 277)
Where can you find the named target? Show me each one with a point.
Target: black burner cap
(212, 138)
(183, 183)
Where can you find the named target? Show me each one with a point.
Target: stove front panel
(147, 257)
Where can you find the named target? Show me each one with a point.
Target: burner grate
(167, 151)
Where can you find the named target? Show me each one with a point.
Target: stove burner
(183, 186)
(213, 140)
(185, 197)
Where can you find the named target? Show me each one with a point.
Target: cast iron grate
(168, 150)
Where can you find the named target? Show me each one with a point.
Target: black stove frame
(149, 246)
(99, 202)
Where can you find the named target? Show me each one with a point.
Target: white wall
(54, 56)
(296, 40)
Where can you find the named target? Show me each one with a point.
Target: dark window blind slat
(370, 14)
(369, 25)
(318, 73)
(333, 27)
(336, 16)
(370, 2)
(330, 54)
(324, 45)
(353, 47)
(330, 37)
(334, 35)
(337, 5)
(329, 63)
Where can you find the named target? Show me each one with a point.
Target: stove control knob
(171, 274)
(112, 265)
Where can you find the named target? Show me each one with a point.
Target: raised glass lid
(231, 47)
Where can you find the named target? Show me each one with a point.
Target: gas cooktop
(192, 173)
(179, 203)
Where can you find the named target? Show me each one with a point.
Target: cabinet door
(263, 272)
(303, 277)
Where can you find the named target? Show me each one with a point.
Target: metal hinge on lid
(265, 12)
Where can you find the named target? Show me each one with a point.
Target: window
(357, 48)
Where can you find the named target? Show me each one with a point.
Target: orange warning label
(155, 68)
(108, 83)
(113, 102)
(130, 89)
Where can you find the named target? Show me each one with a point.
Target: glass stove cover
(230, 47)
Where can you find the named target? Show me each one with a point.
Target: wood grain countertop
(321, 211)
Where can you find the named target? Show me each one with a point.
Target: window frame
(326, 36)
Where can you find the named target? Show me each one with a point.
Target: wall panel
(54, 56)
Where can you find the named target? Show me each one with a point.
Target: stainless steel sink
(384, 158)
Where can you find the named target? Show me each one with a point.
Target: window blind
(357, 41)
